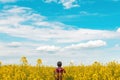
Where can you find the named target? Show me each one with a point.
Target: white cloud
(49, 1)
(117, 45)
(58, 34)
(89, 44)
(85, 13)
(6, 1)
(37, 28)
(15, 44)
(118, 30)
(48, 48)
(66, 3)
(12, 55)
(16, 9)
(14, 16)
(69, 3)
(18, 49)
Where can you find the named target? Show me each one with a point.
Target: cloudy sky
(81, 31)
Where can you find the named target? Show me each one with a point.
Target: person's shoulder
(62, 68)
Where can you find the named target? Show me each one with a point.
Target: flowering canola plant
(95, 71)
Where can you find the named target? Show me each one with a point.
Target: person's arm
(64, 71)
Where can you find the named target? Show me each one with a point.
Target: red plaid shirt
(59, 72)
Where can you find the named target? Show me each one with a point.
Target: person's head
(59, 63)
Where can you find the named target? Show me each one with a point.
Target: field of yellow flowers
(95, 71)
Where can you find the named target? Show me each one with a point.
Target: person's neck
(59, 67)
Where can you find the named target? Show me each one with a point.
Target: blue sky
(81, 31)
